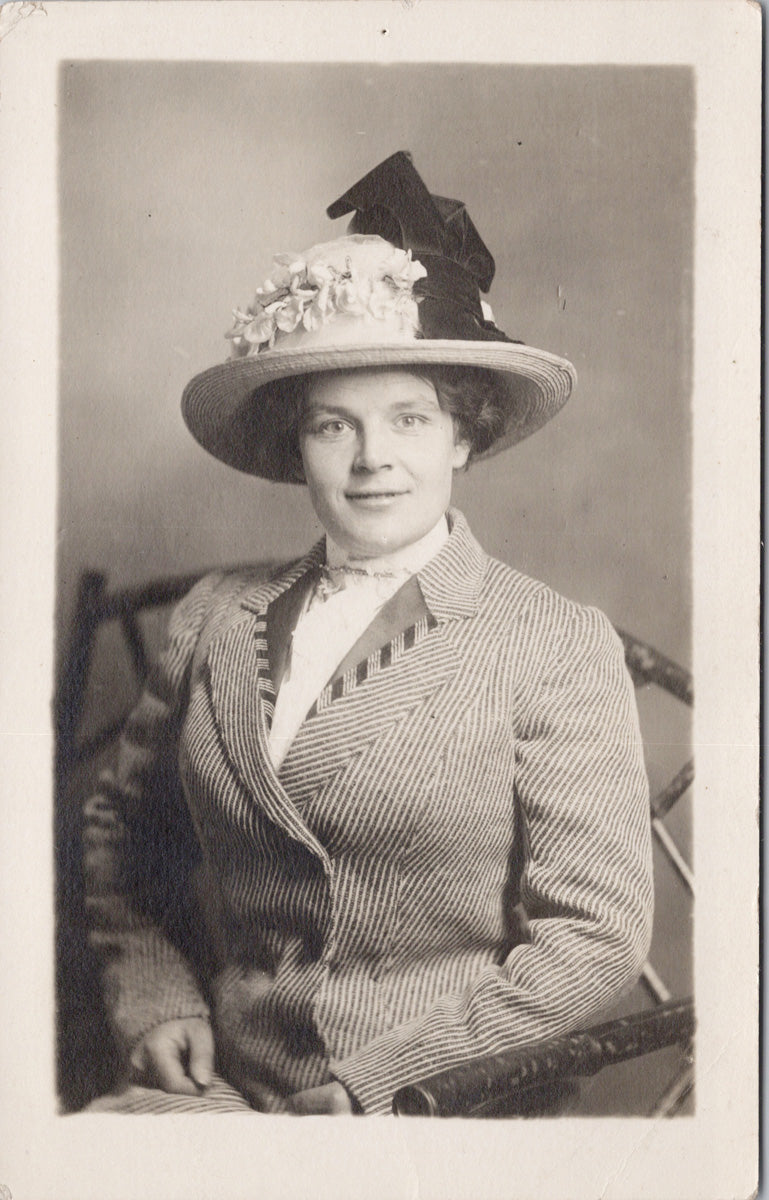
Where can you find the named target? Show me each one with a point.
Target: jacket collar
(448, 588)
(258, 597)
(450, 583)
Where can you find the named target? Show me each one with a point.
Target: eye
(332, 427)
(411, 420)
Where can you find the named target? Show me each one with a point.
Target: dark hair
(474, 396)
(281, 414)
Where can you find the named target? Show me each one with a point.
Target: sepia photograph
(376, 599)
(414, 830)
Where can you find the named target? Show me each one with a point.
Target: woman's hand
(177, 1056)
(330, 1099)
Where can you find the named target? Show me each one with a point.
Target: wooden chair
(124, 629)
(114, 637)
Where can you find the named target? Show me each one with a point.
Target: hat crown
(360, 284)
(367, 254)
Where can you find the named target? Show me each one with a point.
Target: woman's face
(379, 455)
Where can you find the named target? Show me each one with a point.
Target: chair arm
(475, 1088)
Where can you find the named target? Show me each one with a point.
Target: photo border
(712, 1154)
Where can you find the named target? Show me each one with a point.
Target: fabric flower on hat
(288, 315)
(260, 328)
(352, 295)
(403, 270)
(359, 276)
(319, 275)
(320, 308)
(287, 267)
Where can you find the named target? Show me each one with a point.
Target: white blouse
(334, 617)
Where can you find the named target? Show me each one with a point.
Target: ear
(295, 459)
(461, 454)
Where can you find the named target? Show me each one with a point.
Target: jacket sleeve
(139, 850)
(586, 885)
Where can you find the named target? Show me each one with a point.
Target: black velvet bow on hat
(393, 202)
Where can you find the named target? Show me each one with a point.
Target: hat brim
(223, 407)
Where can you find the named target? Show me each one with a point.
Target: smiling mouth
(373, 495)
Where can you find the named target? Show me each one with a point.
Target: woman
(414, 826)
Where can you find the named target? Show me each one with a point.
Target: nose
(373, 451)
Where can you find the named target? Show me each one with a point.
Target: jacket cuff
(373, 1074)
(140, 995)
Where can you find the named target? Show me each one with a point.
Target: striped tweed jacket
(453, 858)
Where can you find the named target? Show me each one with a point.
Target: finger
(302, 1104)
(170, 1071)
(201, 1045)
(328, 1099)
(340, 1101)
(138, 1062)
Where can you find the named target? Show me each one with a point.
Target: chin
(373, 547)
(371, 543)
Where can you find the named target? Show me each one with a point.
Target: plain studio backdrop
(178, 182)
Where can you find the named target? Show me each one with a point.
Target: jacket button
(313, 944)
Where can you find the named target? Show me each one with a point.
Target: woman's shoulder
(215, 589)
(223, 588)
(543, 615)
(218, 601)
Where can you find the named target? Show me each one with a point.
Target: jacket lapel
(447, 588)
(243, 696)
(280, 619)
(402, 611)
(363, 706)
(405, 657)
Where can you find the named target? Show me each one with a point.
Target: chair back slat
(135, 643)
(674, 856)
(654, 985)
(647, 665)
(667, 797)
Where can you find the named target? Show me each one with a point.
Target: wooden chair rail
(473, 1089)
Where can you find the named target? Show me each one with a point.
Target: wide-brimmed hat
(402, 289)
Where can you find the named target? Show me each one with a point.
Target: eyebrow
(427, 401)
(420, 398)
(311, 410)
